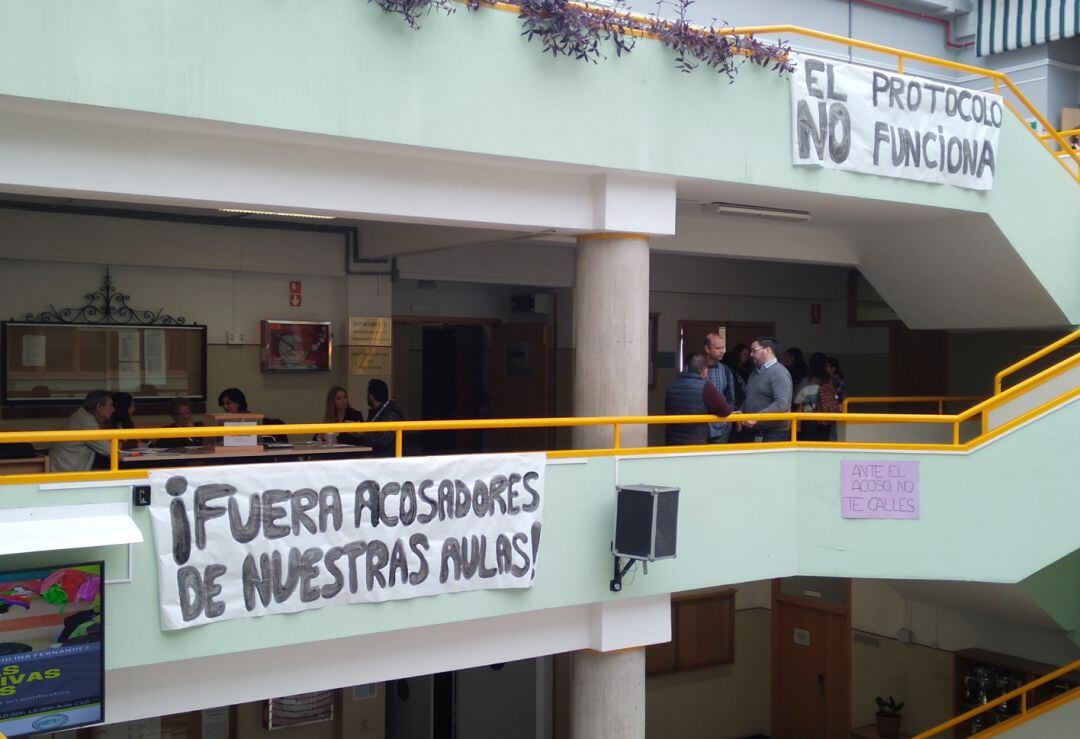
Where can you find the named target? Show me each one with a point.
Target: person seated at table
(79, 456)
(381, 408)
(340, 410)
(180, 411)
(233, 400)
(123, 410)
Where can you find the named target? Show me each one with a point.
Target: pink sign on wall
(885, 489)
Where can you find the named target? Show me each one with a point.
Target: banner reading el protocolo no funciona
(896, 125)
(250, 540)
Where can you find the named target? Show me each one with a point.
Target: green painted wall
(470, 83)
(1056, 588)
(743, 516)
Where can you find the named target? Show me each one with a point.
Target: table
(24, 465)
(194, 456)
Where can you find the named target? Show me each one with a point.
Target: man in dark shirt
(692, 394)
(381, 409)
(767, 391)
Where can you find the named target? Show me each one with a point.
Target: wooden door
(519, 380)
(811, 666)
(918, 362)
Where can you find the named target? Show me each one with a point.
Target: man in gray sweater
(767, 391)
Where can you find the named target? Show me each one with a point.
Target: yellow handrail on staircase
(941, 400)
(1034, 357)
(1027, 711)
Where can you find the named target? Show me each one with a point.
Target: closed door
(810, 685)
(519, 383)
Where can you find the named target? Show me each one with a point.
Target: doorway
(811, 664)
(519, 381)
(452, 385)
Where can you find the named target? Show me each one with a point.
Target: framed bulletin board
(58, 363)
(296, 346)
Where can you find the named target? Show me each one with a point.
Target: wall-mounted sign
(249, 540)
(801, 637)
(364, 331)
(369, 360)
(879, 489)
(896, 125)
(52, 663)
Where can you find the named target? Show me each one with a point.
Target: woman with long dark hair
(832, 366)
(809, 399)
(340, 410)
(123, 410)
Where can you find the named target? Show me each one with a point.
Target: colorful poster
(51, 650)
(290, 346)
(250, 540)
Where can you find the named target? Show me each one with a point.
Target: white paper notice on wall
(33, 351)
(801, 637)
(128, 346)
(154, 358)
(894, 125)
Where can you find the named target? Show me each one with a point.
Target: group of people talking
(752, 379)
(102, 409)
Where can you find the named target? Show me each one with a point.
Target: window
(702, 634)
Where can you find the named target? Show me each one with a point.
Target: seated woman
(123, 410)
(180, 410)
(339, 410)
(233, 400)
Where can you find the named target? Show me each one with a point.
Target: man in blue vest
(692, 394)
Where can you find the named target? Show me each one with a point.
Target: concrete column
(607, 698)
(611, 335)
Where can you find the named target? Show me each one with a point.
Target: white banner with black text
(895, 125)
(249, 540)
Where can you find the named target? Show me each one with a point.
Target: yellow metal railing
(1027, 710)
(400, 428)
(998, 79)
(940, 400)
(1034, 357)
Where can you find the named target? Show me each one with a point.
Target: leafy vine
(581, 31)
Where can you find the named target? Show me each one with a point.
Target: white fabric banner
(249, 540)
(868, 120)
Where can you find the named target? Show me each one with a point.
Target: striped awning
(1013, 24)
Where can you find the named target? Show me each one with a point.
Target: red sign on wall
(295, 300)
(295, 287)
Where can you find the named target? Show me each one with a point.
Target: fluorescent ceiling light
(274, 213)
(754, 211)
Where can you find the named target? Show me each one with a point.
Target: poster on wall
(52, 664)
(884, 489)
(884, 123)
(295, 346)
(251, 540)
